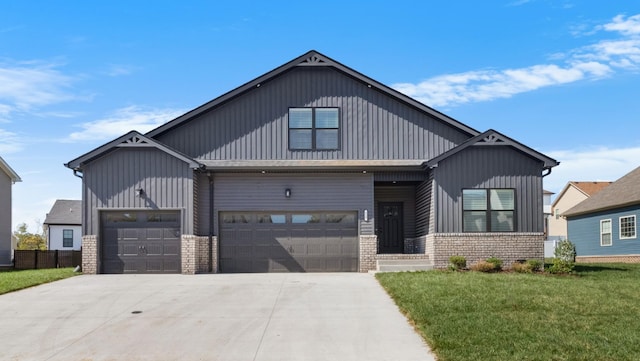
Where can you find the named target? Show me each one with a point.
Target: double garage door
(288, 242)
(141, 242)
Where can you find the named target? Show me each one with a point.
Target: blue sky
(560, 76)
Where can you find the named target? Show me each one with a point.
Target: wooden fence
(46, 259)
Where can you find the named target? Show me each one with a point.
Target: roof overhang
(493, 138)
(313, 165)
(9, 171)
(133, 139)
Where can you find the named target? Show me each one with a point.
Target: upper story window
(628, 227)
(313, 128)
(488, 210)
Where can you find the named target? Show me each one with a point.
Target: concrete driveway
(341, 316)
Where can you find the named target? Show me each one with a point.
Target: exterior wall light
(139, 192)
(287, 193)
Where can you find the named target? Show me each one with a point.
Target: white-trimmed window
(314, 128)
(605, 232)
(628, 227)
(67, 238)
(488, 210)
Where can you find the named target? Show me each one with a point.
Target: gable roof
(133, 139)
(65, 211)
(310, 58)
(621, 193)
(10, 172)
(493, 138)
(586, 188)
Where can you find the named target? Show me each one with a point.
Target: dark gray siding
(423, 206)
(309, 192)
(584, 232)
(489, 167)
(254, 126)
(111, 182)
(404, 194)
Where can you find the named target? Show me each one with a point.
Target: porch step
(401, 265)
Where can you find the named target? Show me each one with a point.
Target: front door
(390, 227)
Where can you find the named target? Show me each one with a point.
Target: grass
(592, 315)
(16, 280)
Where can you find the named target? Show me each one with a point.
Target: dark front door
(390, 227)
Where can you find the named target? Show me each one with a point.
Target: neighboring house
(604, 227)
(309, 167)
(63, 225)
(572, 194)
(7, 178)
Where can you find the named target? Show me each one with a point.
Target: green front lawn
(16, 280)
(594, 315)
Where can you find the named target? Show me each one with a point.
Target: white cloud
(30, 85)
(628, 26)
(9, 142)
(593, 164)
(587, 63)
(120, 70)
(122, 121)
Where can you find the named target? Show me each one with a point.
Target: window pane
(474, 199)
(606, 240)
(300, 118)
(299, 139)
(605, 226)
(628, 227)
(327, 139)
(272, 218)
(502, 221)
(236, 218)
(475, 221)
(502, 199)
(345, 218)
(326, 118)
(305, 218)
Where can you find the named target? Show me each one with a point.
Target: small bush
(522, 267)
(457, 263)
(483, 266)
(565, 257)
(535, 264)
(497, 263)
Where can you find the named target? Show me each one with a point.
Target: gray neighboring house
(63, 225)
(311, 167)
(7, 178)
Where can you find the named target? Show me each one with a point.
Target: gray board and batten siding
(317, 192)
(112, 182)
(373, 125)
(488, 167)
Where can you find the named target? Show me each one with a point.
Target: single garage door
(141, 242)
(288, 242)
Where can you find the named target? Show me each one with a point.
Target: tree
(29, 241)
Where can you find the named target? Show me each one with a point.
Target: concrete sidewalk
(341, 316)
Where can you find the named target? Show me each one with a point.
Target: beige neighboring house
(7, 178)
(572, 194)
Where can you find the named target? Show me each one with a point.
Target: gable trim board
(230, 158)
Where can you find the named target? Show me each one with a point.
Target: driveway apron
(260, 317)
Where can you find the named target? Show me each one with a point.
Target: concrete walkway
(258, 317)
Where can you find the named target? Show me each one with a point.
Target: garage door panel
(143, 241)
(288, 242)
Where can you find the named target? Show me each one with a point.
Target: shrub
(535, 264)
(457, 263)
(483, 266)
(565, 257)
(522, 267)
(497, 263)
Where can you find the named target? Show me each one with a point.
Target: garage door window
(305, 218)
(272, 218)
(344, 218)
(236, 218)
(117, 217)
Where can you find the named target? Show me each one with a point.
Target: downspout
(75, 173)
(210, 176)
(548, 172)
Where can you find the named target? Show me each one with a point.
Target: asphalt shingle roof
(65, 211)
(623, 192)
